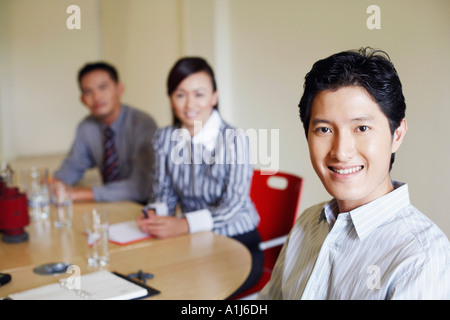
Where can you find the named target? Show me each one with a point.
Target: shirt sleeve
(239, 172)
(164, 198)
(79, 159)
(236, 194)
(200, 220)
(137, 186)
(162, 189)
(236, 172)
(430, 282)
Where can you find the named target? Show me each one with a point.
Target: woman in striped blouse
(202, 164)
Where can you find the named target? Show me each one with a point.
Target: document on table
(100, 285)
(126, 232)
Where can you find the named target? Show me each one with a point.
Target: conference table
(202, 265)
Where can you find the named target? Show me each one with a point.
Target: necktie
(110, 171)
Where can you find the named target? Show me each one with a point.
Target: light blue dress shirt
(385, 249)
(133, 133)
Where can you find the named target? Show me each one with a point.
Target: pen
(145, 213)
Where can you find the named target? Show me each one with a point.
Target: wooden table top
(203, 265)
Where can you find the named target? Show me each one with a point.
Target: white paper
(126, 232)
(100, 285)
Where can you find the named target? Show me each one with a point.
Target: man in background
(114, 138)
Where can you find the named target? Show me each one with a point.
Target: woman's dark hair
(89, 67)
(366, 67)
(183, 68)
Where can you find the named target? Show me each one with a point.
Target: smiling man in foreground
(368, 242)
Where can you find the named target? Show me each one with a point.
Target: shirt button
(335, 246)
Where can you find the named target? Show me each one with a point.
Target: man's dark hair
(367, 68)
(183, 68)
(89, 67)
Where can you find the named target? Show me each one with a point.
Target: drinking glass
(96, 228)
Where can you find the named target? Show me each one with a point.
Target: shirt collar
(115, 126)
(373, 214)
(207, 136)
(329, 213)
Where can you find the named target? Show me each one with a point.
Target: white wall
(261, 51)
(39, 91)
(141, 38)
(4, 70)
(144, 39)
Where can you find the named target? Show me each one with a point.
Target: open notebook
(99, 285)
(126, 232)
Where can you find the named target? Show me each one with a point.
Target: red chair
(277, 199)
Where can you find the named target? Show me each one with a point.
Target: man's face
(101, 95)
(350, 146)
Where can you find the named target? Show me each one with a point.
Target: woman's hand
(162, 226)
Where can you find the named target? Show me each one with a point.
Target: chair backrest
(276, 198)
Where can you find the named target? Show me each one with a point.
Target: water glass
(62, 210)
(96, 228)
(35, 184)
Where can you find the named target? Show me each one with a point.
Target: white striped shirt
(385, 249)
(209, 176)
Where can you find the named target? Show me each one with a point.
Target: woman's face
(193, 101)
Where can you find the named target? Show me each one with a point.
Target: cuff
(160, 208)
(98, 196)
(200, 220)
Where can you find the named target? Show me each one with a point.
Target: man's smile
(348, 170)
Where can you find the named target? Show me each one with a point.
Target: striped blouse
(385, 249)
(208, 175)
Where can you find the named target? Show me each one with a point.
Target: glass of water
(62, 207)
(35, 184)
(96, 224)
